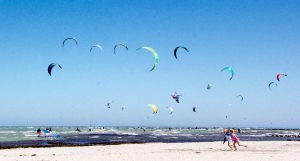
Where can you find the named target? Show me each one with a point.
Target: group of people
(47, 130)
(231, 137)
(45, 133)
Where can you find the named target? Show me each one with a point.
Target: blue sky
(258, 39)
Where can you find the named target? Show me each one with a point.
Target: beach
(206, 151)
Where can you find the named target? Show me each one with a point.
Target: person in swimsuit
(235, 139)
(228, 138)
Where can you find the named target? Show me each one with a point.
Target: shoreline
(257, 150)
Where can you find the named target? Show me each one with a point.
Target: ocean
(13, 137)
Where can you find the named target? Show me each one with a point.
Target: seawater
(27, 137)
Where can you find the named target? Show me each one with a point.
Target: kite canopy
(279, 75)
(230, 70)
(176, 96)
(272, 84)
(154, 108)
(154, 54)
(170, 109)
(51, 66)
(209, 86)
(122, 45)
(108, 104)
(96, 46)
(68, 39)
(178, 47)
(242, 98)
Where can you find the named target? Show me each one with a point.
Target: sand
(206, 151)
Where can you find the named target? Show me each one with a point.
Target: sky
(258, 39)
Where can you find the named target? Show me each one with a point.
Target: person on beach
(235, 139)
(228, 138)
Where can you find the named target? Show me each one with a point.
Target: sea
(15, 137)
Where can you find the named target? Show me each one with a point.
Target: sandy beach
(206, 151)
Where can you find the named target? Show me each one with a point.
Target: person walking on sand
(235, 139)
(228, 138)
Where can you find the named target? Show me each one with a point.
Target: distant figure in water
(239, 131)
(90, 129)
(235, 139)
(77, 129)
(50, 129)
(46, 131)
(170, 129)
(39, 131)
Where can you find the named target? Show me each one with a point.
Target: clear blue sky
(258, 39)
